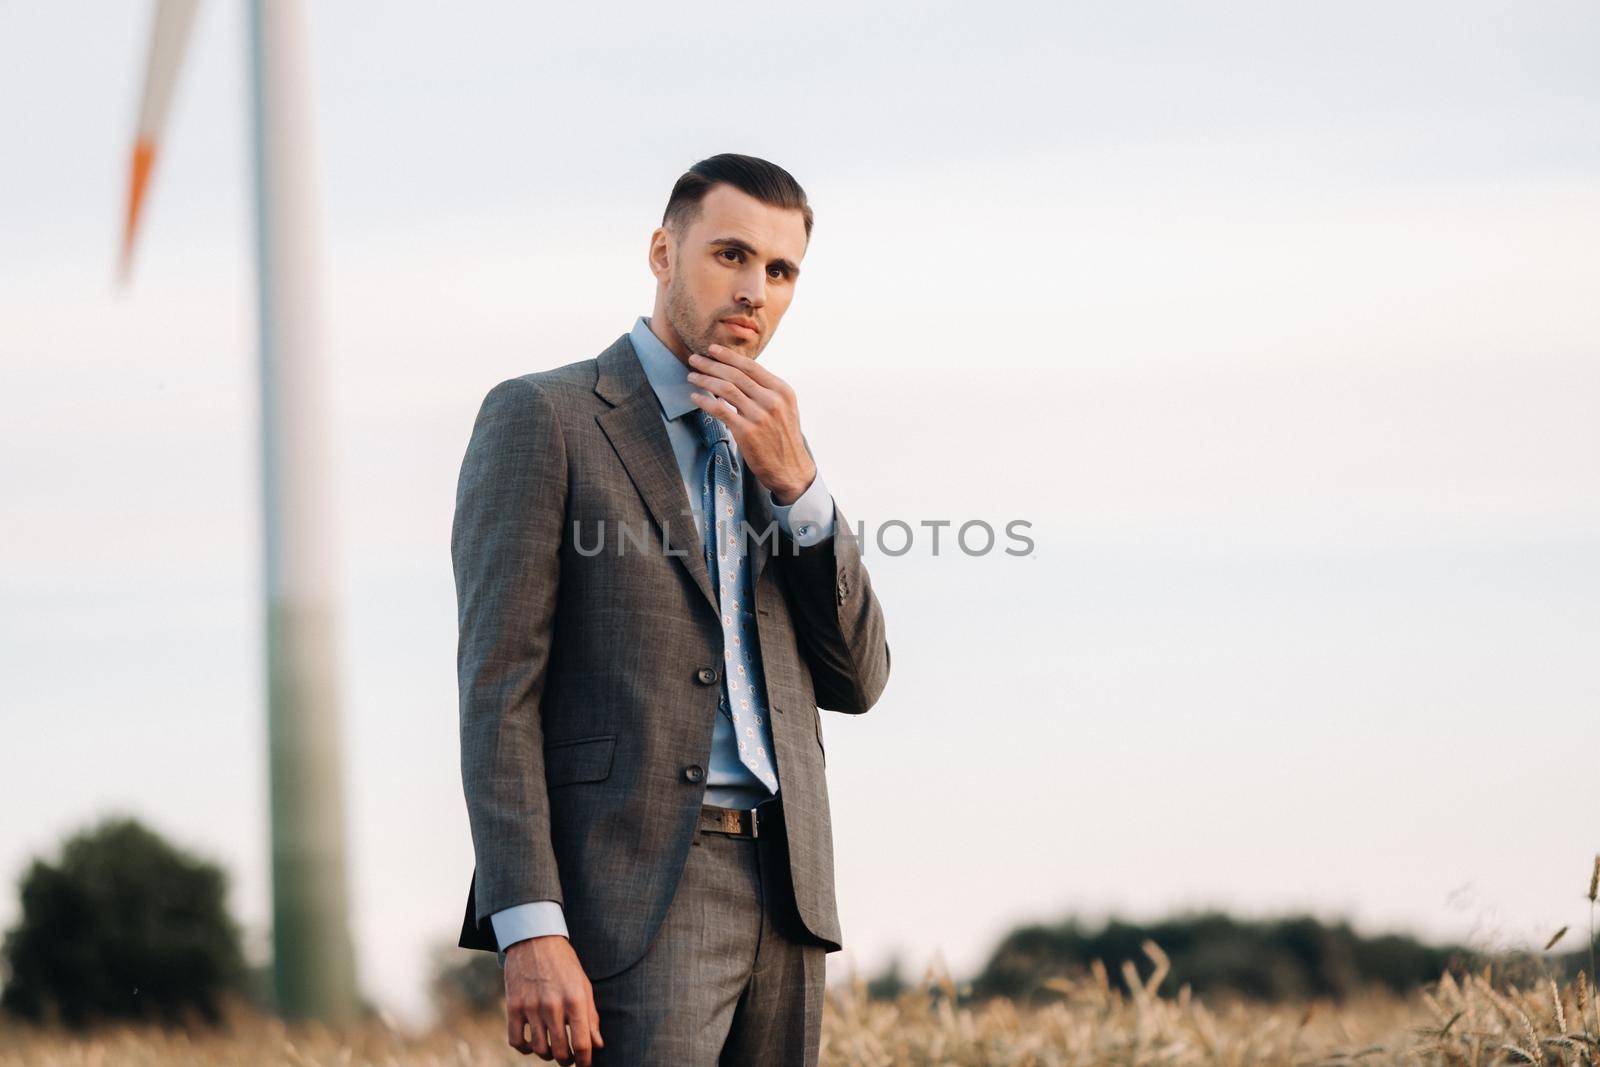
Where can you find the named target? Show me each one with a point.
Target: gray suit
(588, 681)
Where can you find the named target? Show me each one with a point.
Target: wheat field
(1093, 1020)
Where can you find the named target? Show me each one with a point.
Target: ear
(661, 254)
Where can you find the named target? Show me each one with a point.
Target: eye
(738, 256)
(778, 272)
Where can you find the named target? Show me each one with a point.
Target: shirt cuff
(519, 922)
(809, 520)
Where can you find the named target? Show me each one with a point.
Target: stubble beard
(683, 316)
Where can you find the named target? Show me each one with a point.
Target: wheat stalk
(1594, 891)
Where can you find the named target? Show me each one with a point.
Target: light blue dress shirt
(808, 521)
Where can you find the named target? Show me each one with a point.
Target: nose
(752, 288)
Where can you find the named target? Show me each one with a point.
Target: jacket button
(694, 772)
(705, 675)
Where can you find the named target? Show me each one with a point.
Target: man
(656, 595)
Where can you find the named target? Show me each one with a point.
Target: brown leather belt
(737, 822)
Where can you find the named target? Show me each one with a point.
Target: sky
(1276, 324)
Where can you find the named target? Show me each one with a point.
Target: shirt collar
(668, 377)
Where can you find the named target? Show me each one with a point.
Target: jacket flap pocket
(582, 759)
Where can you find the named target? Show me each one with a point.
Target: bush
(1280, 959)
(124, 926)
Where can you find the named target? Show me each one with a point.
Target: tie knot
(712, 429)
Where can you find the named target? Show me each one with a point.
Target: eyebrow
(749, 250)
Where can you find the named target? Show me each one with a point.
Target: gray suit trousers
(732, 978)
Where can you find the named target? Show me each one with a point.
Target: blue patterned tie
(744, 689)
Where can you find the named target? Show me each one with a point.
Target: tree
(123, 926)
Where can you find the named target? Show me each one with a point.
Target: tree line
(124, 925)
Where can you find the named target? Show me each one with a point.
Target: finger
(515, 1036)
(721, 409)
(762, 375)
(555, 1018)
(540, 1045)
(729, 391)
(594, 1022)
(582, 1038)
(740, 375)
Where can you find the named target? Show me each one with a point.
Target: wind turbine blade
(169, 35)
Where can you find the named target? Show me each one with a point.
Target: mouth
(742, 327)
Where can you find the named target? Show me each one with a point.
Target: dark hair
(767, 182)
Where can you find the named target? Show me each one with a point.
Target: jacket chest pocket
(581, 759)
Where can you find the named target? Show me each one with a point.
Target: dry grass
(1095, 1021)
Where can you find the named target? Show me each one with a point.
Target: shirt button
(694, 773)
(705, 675)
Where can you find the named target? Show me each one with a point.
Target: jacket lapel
(634, 427)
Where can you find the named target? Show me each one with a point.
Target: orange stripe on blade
(144, 156)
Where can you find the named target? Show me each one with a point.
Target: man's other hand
(547, 990)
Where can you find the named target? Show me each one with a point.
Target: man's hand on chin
(547, 989)
(761, 413)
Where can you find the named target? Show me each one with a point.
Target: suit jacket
(589, 681)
